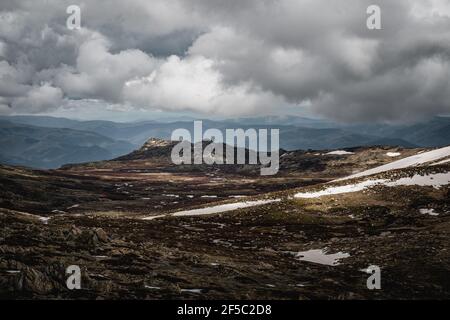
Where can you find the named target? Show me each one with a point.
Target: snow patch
(415, 160)
(155, 217)
(436, 181)
(320, 256)
(223, 208)
(215, 209)
(192, 290)
(393, 154)
(441, 162)
(340, 153)
(340, 189)
(58, 211)
(44, 219)
(430, 212)
(40, 218)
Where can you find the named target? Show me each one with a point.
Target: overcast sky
(226, 58)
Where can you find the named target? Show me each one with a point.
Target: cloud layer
(229, 57)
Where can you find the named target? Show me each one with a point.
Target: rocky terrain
(134, 227)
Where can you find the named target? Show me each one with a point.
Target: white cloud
(194, 84)
(101, 74)
(39, 99)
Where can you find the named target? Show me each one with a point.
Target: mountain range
(50, 142)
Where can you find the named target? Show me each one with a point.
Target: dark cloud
(229, 57)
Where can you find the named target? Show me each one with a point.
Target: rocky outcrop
(88, 237)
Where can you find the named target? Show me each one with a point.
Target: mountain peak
(153, 147)
(156, 142)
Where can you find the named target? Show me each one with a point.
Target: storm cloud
(229, 57)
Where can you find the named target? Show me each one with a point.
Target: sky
(209, 58)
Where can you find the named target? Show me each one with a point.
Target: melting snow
(431, 212)
(393, 154)
(404, 163)
(223, 208)
(40, 218)
(441, 162)
(44, 219)
(152, 288)
(155, 217)
(341, 189)
(58, 211)
(340, 153)
(435, 180)
(192, 290)
(215, 209)
(321, 257)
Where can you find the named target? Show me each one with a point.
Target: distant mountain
(435, 133)
(42, 121)
(135, 133)
(55, 141)
(41, 147)
(292, 138)
(390, 142)
(285, 121)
